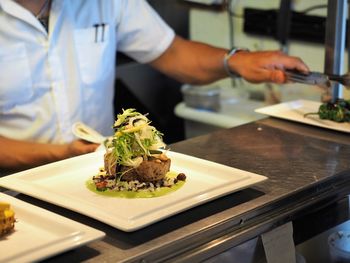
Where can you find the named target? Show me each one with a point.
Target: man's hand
(19, 155)
(265, 66)
(79, 147)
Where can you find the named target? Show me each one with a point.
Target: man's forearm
(192, 62)
(197, 63)
(19, 155)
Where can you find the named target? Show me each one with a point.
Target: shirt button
(45, 44)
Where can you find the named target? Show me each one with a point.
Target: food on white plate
(338, 111)
(135, 160)
(7, 218)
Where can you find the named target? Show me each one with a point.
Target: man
(57, 60)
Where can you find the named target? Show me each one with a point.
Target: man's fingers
(295, 63)
(79, 147)
(277, 76)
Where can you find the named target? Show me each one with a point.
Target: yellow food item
(7, 218)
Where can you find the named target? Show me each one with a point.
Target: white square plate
(40, 234)
(63, 183)
(295, 110)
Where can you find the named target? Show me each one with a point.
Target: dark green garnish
(338, 111)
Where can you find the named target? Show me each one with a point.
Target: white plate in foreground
(295, 110)
(40, 234)
(63, 183)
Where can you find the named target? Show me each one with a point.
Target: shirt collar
(56, 13)
(12, 8)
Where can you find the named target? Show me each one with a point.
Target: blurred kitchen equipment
(202, 97)
(339, 246)
(335, 38)
(283, 24)
(84, 132)
(337, 13)
(317, 78)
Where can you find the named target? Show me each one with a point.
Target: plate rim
(268, 110)
(82, 234)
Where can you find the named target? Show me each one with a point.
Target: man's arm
(20, 155)
(198, 63)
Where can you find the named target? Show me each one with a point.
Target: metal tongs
(316, 78)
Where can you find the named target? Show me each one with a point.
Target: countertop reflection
(305, 166)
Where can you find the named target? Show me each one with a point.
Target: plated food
(135, 162)
(338, 111)
(7, 218)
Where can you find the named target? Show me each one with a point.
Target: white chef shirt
(48, 81)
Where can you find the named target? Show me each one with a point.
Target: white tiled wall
(213, 27)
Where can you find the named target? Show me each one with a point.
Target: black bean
(181, 177)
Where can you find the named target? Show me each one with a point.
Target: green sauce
(139, 194)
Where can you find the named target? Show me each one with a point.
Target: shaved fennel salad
(134, 139)
(135, 159)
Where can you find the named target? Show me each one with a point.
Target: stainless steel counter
(307, 167)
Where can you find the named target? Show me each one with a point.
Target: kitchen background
(249, 23)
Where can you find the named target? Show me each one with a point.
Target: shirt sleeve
(141, 32)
